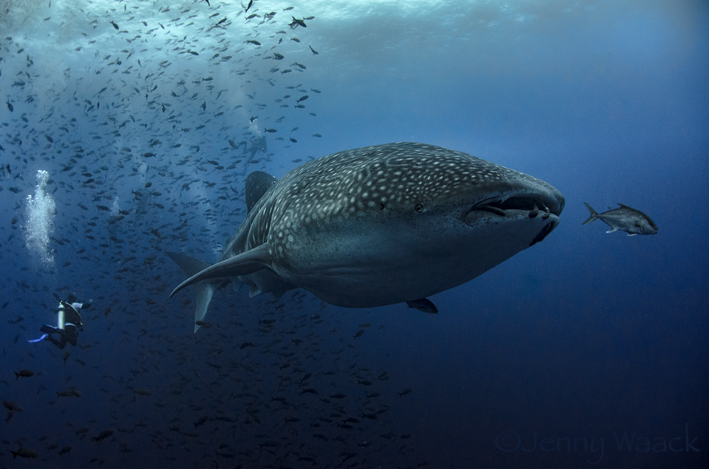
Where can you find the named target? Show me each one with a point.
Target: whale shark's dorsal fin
(257, 184)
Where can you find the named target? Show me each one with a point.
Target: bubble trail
(40, 215)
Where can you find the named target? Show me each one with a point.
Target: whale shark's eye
(418, 208)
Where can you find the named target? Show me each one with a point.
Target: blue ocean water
(587, 350)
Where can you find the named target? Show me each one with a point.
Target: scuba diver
(68, 323)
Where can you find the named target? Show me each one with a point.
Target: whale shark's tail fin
(205, 289)
(594, 214)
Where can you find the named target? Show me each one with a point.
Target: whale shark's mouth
(533, 206)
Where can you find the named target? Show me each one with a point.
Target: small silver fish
(625, 219)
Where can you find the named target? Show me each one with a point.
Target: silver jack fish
(633, 222)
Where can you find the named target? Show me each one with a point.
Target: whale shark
(378, 225)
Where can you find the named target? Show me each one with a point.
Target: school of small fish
(147, 138)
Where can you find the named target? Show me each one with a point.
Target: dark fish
(251, 2)
(626, 219)
(251, 41)
(102, 436)
(277, 56)
(200, 421)
(423, 304)
(23, 374)
(359, 333)
(313, 50)
(270, 130)
(25, 453)
(303, 98)
(115, 25)
(296, 22)
(9, 106)
(12, 406)
(405, 392)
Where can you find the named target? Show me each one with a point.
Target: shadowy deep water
(127, 129)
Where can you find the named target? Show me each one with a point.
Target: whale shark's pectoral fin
(191, 266)
(423, 304)
(199, 272)
(245, 263)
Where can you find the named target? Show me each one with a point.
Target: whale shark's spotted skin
(382, 224)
